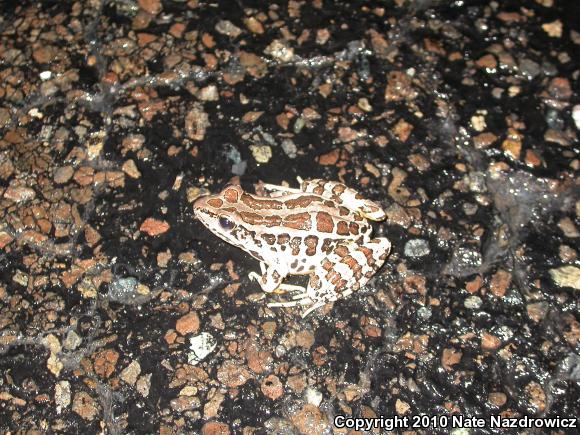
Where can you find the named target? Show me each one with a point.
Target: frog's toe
(285, 288)
(293, 303)
(313, 307)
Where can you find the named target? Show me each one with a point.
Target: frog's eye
(226, 224)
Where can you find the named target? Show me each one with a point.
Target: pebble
(313, 396)
(232, 374)
(554, 120)
(566, 276)
(208, 93)
(154, 227)
(185, 403)
(500, 282)
(272, 387)
(122, 288)
(529, 69)
(489, 341)
(472, 302)
(188, 324)
(478, 122)
(105, 362)
(450, 357)
(201, 346)
(402, 407)
(279, 51)
(537, 311)
(567, 254)
(85, 406)
(576, 115)
(417, 248)
(289, 147)
(19, 194)
(484, 140)
(196, 123)
(399, 87)
(553, 29)
(215, 428)
(63, 174)
(130, 168)
(536, 396)
(309, 420)
(62, 395)
(560, 88)
(261, 153)
(464, 261)
(254, 25)
(497, 398)
(152, 7)
(402, 130)
(212, 406)
(469, 208)
(131, 373)
(424, 313)
(487, 62)
(144, 384)
(239, 168)
(568, 228)
(226, 27)
(72, 340)
(512, 145)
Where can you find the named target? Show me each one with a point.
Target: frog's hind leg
(346, 196)
(345, 270)
(270, 280)
(299, 300)
(285, 288)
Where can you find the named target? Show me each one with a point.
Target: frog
(321, 229)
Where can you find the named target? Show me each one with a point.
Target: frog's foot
(299, 300)
(286, 288)
(254, 276)
(289, 304)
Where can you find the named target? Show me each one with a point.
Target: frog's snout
(198, 204)
(200, 208)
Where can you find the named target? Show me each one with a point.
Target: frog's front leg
(271, 279)
(346, 196)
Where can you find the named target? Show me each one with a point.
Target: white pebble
(201, 346)
(473, 302)
(576, 115)
(314, 397)
(416, 248)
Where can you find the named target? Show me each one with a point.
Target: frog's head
(219, 212)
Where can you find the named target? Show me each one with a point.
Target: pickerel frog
(321, 229)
